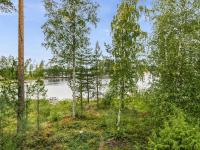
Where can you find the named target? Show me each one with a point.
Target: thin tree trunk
(119, 117)
(81, 97)
(26, 109)
(121, 103)
(73, 87)
(38, 112)
(88, 91)
(74, 64)
(97, 83)
(122, 95)
(21, 103)
(97, 79)
(74, 73)
(1, 129)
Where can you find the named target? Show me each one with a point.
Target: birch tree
(175, 53)
(66, 32)
(126, 46)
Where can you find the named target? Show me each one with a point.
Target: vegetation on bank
(163, 117)
(95, 128)
(92, 129)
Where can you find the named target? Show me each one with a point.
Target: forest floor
(93, 129)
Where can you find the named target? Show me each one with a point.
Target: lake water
(59, 88)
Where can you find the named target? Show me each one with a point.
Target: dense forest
(162, 116)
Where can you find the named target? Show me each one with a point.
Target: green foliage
(7, 143)
(170, 107)
(127, 44)
(55, 116)
(56, 71)
(175, 53)
(67, 27)
(176, 134)
(39, 71)
(84, 74)
(8, 68)
(6, 6)
(66, 32)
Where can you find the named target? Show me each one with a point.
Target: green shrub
(177, 134)
(119, 134)
(55, 116)
(7, 143)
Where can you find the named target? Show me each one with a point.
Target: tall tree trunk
(74, 85)
(74, 64)
(21, 103)
(74, 72)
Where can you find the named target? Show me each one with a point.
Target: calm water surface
(59, 88)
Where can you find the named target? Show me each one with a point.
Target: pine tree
(89, 80)
(98, 71)
(21, 101)
(85, 74)
(80, 76)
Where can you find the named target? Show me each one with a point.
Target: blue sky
(34, 19)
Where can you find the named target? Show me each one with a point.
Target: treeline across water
(33, 70)
(162, 117)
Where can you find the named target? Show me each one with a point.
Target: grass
(93, 129)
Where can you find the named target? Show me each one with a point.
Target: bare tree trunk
(21, 103)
